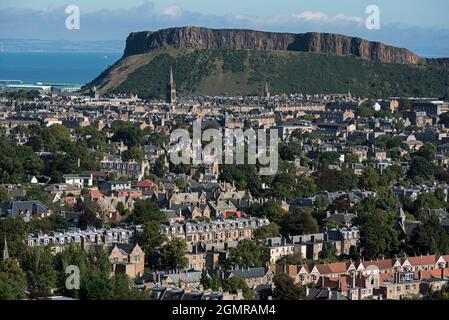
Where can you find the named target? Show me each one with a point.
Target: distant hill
(239, 62)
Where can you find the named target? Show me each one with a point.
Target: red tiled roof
(381, 264)
(421, 260)
(95, 194)
(338, 267)
(145, 183)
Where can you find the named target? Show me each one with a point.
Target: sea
(75, 68)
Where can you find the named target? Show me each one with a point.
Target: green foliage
(38, 263)
(430, 237)
(17, 162)
(366, 109)
(244, 176)
(135, 154)
(247, 253)
(15, 236)
(377, 235)
(370, 179)
(124, 289)
(129, 134)
(4, 195)
(146, 211)
(270, 210)
(96, 285)
(287, 72)
(301, 222)
(173, 254)
(233, 284)
(285, 288)
(209, 281)
(422, 170)
(150, 239)
(12, 280)
(268, 231)
(180, 183)
(333, 180)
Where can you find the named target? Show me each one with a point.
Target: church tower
(171, 89)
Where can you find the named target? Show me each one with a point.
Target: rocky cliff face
(203, 38)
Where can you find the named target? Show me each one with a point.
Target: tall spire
(171, 76)
(171, 89)
(267, 91)
(5, 254)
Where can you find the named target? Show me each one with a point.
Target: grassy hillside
(243, 72)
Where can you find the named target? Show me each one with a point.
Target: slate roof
(246, 273)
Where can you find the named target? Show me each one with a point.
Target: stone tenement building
(214, 231)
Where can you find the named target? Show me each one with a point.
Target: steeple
(171, 89)
(5, 254)
(400, 220)
(267, 91)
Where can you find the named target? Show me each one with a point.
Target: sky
(422, 26)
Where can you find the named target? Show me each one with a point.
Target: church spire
(171, 89)
(171, 76)
(267, 90)
(5, 254)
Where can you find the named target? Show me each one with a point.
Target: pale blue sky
(406, 12)
(422, 26)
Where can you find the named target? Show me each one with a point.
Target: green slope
(243, 72)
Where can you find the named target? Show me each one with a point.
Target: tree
(129, 134)
(267, 231)
(233, 284)
(150, 239)
(377, 235)
(427, 151)
(246, 254)
(180, 183)
(321, 202)
(124, 289)
(326, 179)
(173, 255)
(4, 195)
(269, 210)
(135, 154)
(96, 285)
(209, 282)
(285, 288)
(89, 219)
(12, 280)
(352, 158)
(146, 211)
(16, 229)
(38, 263)
(370, 179)
(444, 119)
(430, 237)
(421, 169)
(120, 207)
(346, 180)
(329, 253)
(301, 222)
